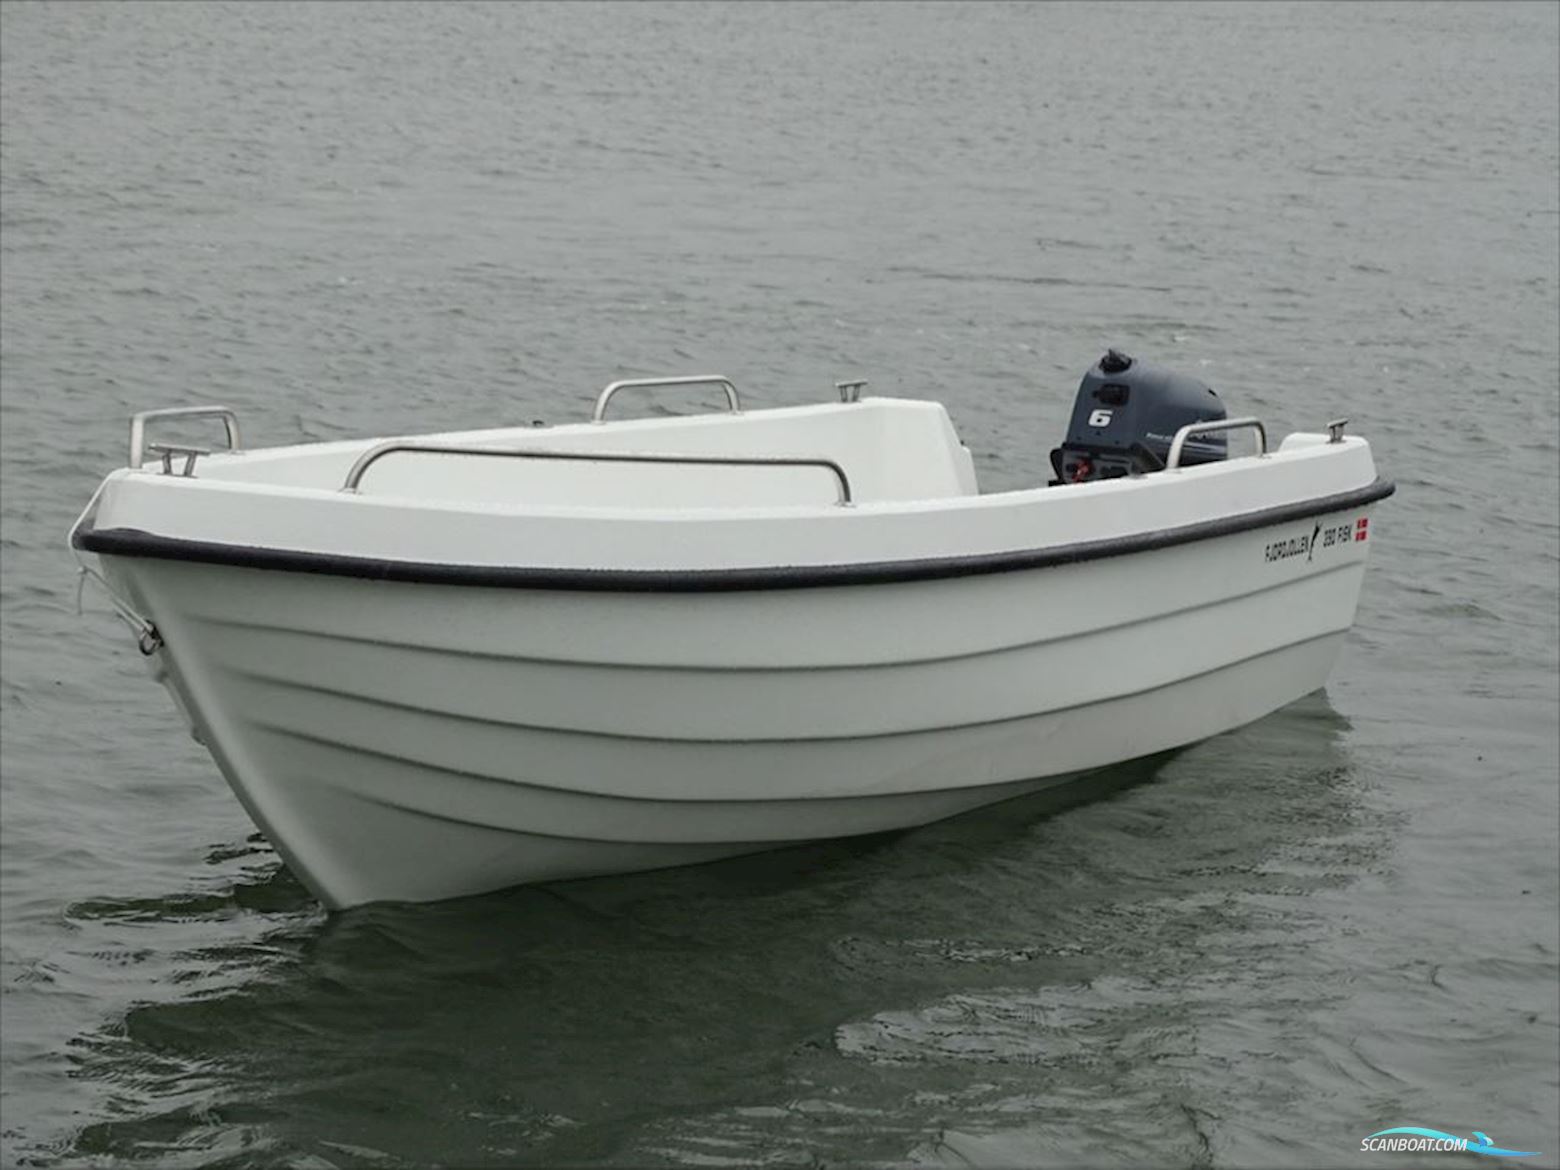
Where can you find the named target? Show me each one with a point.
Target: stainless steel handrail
(1202, 428)
(394, 446)
(189, 454)
(732, 401)
(138, 426)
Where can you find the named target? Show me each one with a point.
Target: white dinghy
(442, 665)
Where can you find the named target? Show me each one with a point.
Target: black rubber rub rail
(132, 542)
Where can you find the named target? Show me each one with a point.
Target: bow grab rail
(138, 432)
(1202, 428)
(733, 403)
(396, 446)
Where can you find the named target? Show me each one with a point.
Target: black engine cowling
(1126, 415)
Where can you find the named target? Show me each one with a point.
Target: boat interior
(854, 451)
(870, 450)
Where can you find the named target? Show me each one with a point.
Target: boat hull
(413, 742)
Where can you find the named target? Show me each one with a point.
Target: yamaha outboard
(1126, 415)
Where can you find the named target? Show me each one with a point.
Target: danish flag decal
(1362, 528)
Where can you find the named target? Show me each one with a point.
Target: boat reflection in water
(770, 1004)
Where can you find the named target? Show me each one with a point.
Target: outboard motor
(1126, 415)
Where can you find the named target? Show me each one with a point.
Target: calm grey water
(351, 220)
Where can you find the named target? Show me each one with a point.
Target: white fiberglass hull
(413, 742)
(423, 697)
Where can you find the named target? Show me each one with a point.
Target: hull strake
(369, 827)
(378, 688)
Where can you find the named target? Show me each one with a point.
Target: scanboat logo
(1414, 1139)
